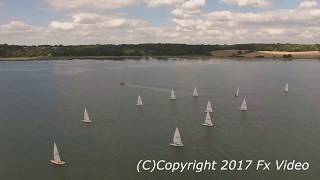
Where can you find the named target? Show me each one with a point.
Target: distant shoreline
(267, 54)
(158, 51)
(223, 54)
(70, 58)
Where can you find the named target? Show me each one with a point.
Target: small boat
(195, 92)
(237, 93)
(86, 118)
(208, 121)
(172, 95)
(243, 106)
(56, 157)
(176, 139)
(139, 101)
(209, 107)
(286, 88)
(122, 83)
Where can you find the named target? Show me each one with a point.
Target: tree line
(141, 49)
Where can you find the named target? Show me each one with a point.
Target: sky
(67, 22)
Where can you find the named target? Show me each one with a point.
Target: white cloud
(116, 4)
(189, 9)
(180, 13)
(249, 3)
(62, 25)
(17, 32)
(93, 28)
(86, 18)
(308, 4)
(290, 17)
(18, 28)
(270, 26)
(194, 4)
(111, 4)
(157, 3)
(96, 4)
(274, 31)
(191, 25)
(92, 22)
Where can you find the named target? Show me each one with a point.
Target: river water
(43, 101)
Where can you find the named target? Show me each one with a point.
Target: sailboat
(176, 139)
(286, 88)
(56, 157)
(243, 106)
(209, 107)
(139, 101)
(208, 121)
(86, 118)
(172, 95)
(237, 93)
(195, 92)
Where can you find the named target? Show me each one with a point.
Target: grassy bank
(266, 54)
(215, 54)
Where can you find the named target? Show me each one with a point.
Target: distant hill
(10, 51)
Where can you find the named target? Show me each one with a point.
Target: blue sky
(153, 21)
(37, 12)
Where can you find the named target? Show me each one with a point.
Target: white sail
(237, 93)
(176, 138)
(195, 92)
(208, 121)
(243, 106)
(209, 107)
(86, 116)
(139, 101)
(172, 95)
(286, 88)
(56, 156)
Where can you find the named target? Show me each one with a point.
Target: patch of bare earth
(267, 54)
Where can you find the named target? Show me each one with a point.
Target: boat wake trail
(149, 87)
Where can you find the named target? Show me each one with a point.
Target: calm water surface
(44, 101)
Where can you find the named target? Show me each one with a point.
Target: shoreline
(249, 56)
(119, 58)
(267, 54)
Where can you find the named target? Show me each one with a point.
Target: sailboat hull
(208, 125)
(139, 104)
(208, 111)
(86, 121)
(176, 145)
(57, 162)
(243, 109)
